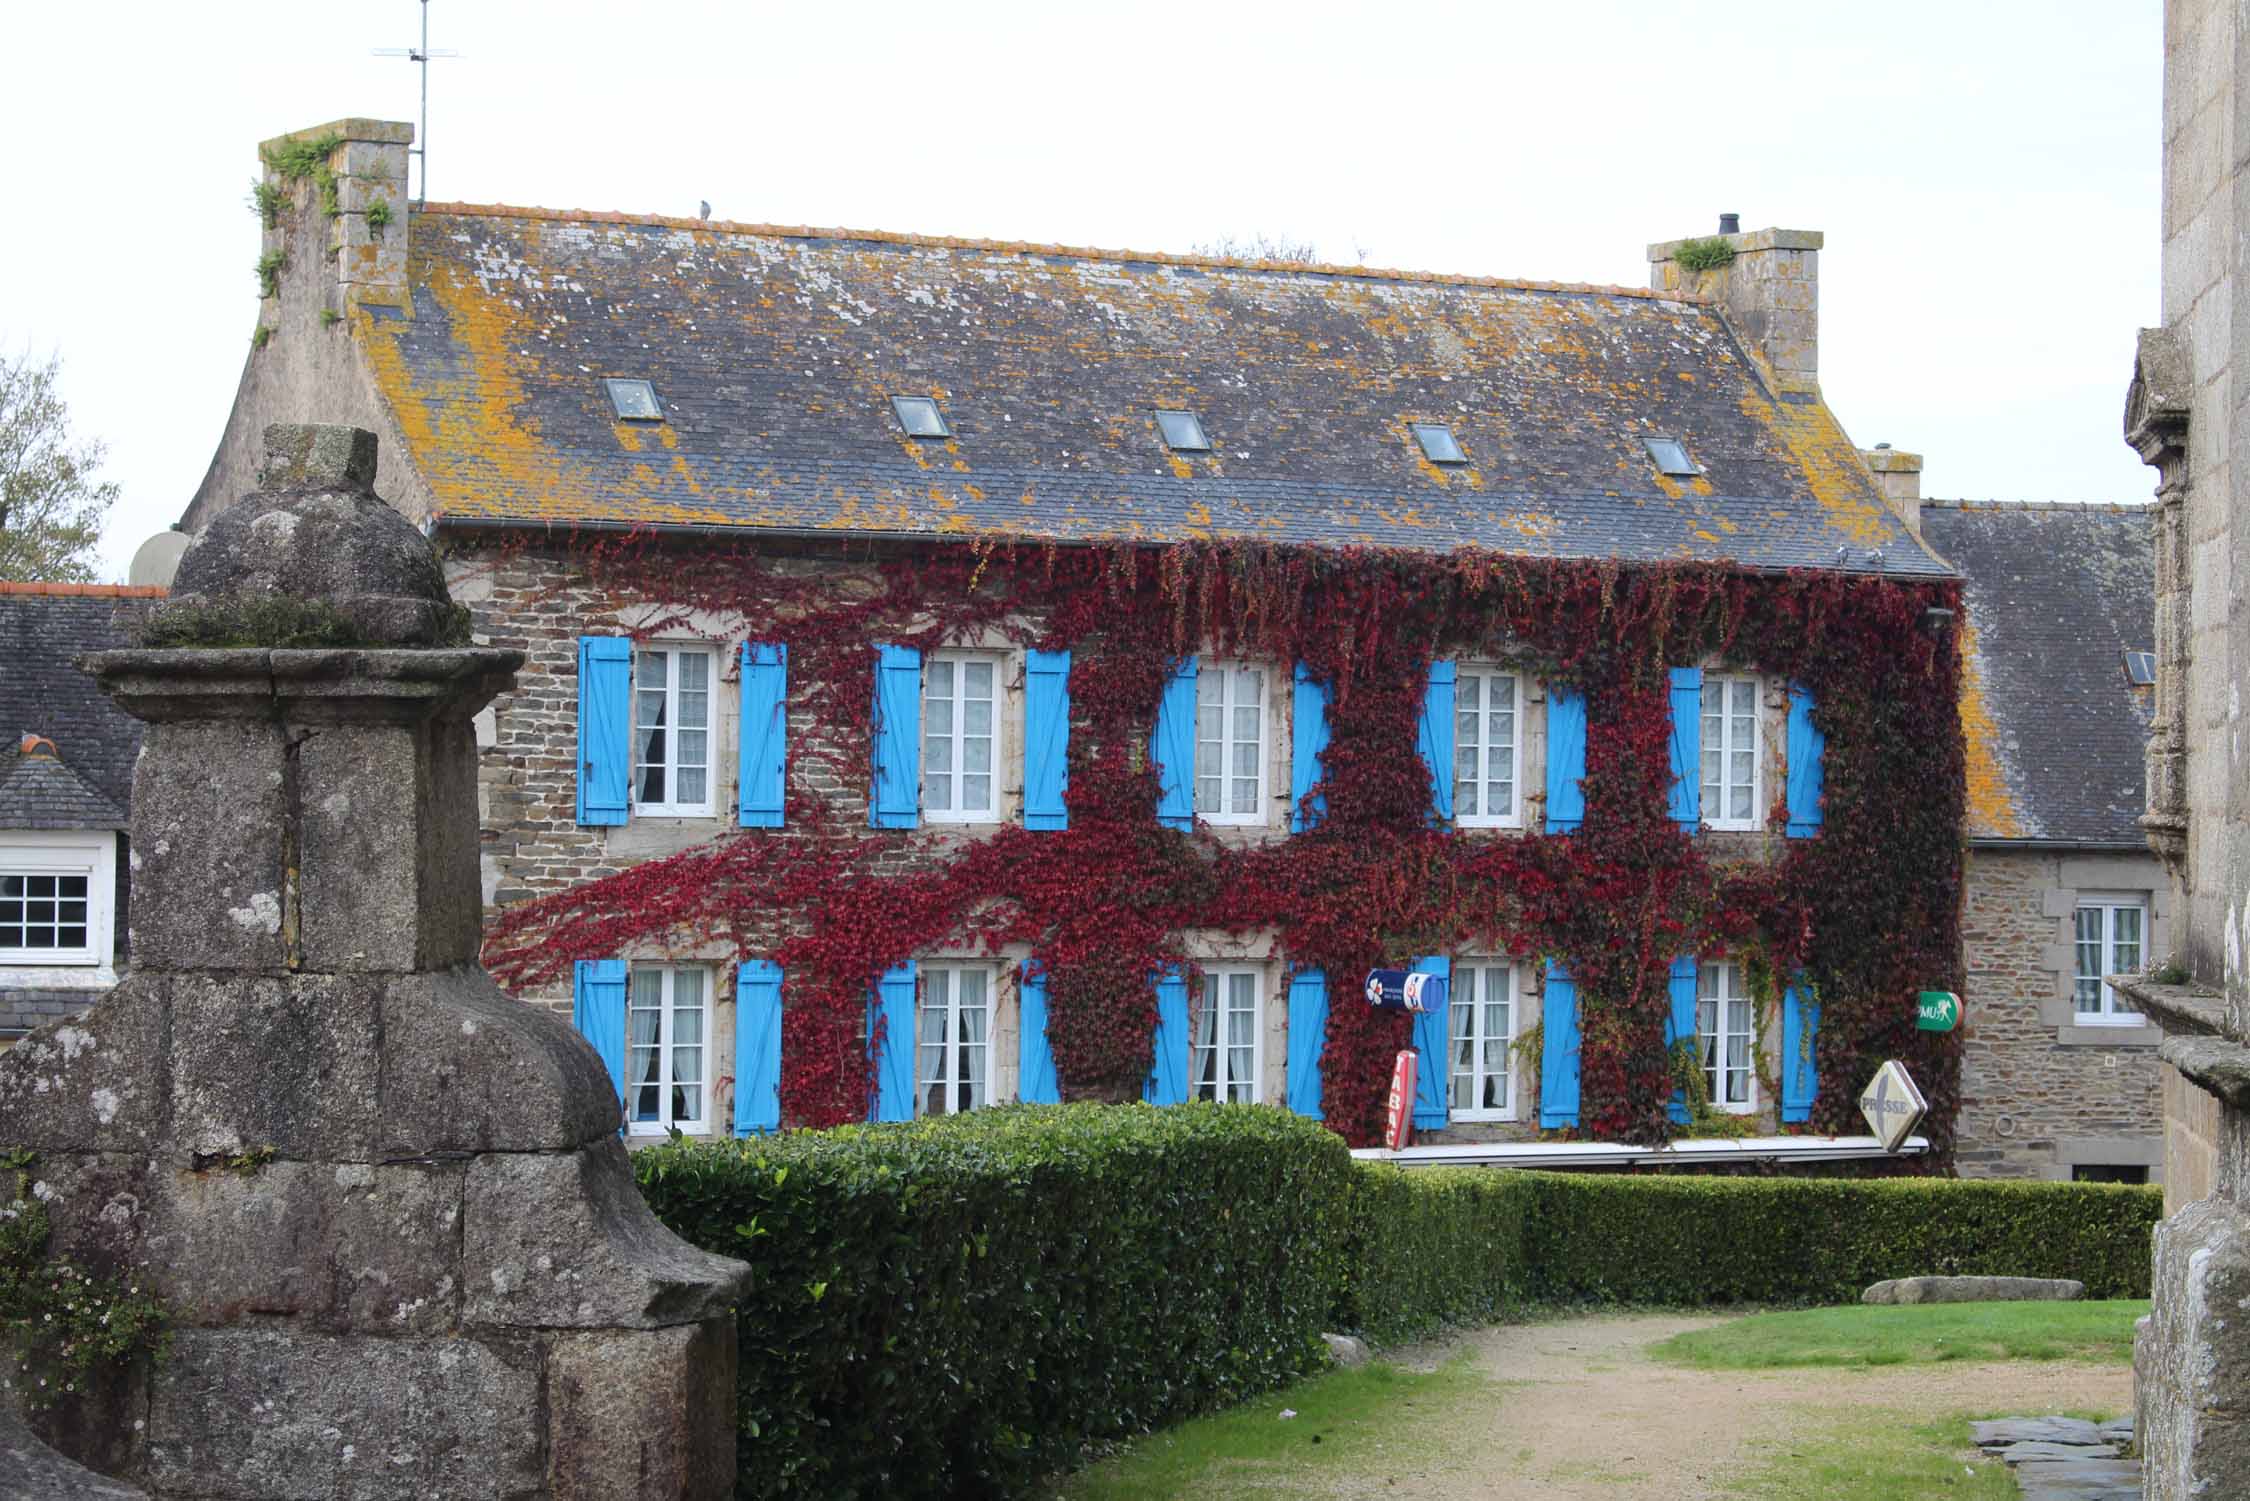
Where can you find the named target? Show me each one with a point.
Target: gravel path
(1584, 1415)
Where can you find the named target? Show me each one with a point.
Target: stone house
(66, 782)
(2058, 1069)
(562, 398)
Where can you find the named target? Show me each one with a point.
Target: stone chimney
(341, 198)
(1770, 290)
(384, 1203)
(1898, 474)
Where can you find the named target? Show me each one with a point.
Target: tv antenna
(421, 56)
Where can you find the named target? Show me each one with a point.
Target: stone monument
(387, 1205)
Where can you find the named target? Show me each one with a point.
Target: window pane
(2086, 985)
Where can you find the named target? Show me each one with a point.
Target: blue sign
(1405, 990)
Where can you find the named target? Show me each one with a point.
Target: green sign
(1940, 1011)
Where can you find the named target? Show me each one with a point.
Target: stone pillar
(387, 1204)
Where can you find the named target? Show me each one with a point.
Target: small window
(1671, 456)
(1225, 1065)
(960, 729)
(2108, 1172)
(1230, 744)
(1726, 1035)
(1487, 749)
(55, 896)
(1183, 432)
(1437, 443)
(634, 400)
(2108, 937)
(672, 731)
(920, 416)
(664, 1050)
(1733, 751)
(1484, 1029)
(952, 1073)
(2140, 668)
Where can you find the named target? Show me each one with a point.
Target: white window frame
(1485, 676)
(2114, 1010)
(939, 985)
(667, 1049)
(1211, 1011)
(1226, 673)
(958, 739)
(91, 853)
(1713, 816)
(1483, 967)
(673, 807)
(1729, 989)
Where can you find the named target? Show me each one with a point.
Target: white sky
(1987, 171)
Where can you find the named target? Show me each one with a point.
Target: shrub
(1705, 254)
(1432, 1247)
(1823, 1240)
(957, 1306)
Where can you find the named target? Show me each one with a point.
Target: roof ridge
(103, 591)
(2112, 507)
(1028, 247)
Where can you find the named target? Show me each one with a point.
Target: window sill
(70, 974)
(1484, 1117)
(1489, 826)
(2109, 1035)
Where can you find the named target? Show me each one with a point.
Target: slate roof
(774, 352)
(42, 627)
(2054, 596)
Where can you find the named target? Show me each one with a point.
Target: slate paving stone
(2081, 1480)
(2003, 1431)
(2017, 1454)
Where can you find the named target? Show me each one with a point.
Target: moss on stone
(275, 621)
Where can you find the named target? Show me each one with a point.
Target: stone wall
(2041, 1094)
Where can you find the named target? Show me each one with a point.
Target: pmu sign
(1937, 1011)
(1892, 1105)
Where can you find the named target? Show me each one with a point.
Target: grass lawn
(1347, 1422)
(1876, 1455)
(1873, 1336)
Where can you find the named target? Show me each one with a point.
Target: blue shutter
(605, 726)
(1566, 761)
(1308, 1035)
(1435, 740)
(1046, 739)
(764, 739)
(1687, 746)
(1431, 1084)
(1308, 742)
(1807, 746)
(893, 1003)
(1172, 748)
(1036, 1081)
(1681, 1023)
(1167, 1076)
(1558, 1057)
(894, 800)
(757, 1046)
(597, 1010)
(1800, 1079)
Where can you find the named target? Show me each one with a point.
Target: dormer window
(634, 401)
(1438, 445)
(2140, 668)
(920, 416)
(1670, 456)
(1183, 432)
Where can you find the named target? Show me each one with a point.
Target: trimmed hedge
(1432, 1247)
(957, 1306)
(1680, 1240)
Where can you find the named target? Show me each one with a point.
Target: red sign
(1398, 1120)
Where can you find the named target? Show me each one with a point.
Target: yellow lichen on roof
(1992, 807)
(1831, 464)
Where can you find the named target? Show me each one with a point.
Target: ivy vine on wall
(1866, 914)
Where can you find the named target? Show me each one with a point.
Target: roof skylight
(634, 400)
(1438, 445)
(1183, 431)
(2140, 668)
(1671, 456)
(920, 416)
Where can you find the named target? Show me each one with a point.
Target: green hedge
(956, 1306)
(1681, 1240)
(1431, 1247)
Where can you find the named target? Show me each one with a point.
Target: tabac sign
(1892, 1105)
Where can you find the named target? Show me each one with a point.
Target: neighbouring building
(2191, 1381)
(961, 671)
(66, 783)
(2058, 1070)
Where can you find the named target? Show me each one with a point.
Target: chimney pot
(1730, 224)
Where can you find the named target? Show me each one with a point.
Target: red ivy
(1867, 912)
